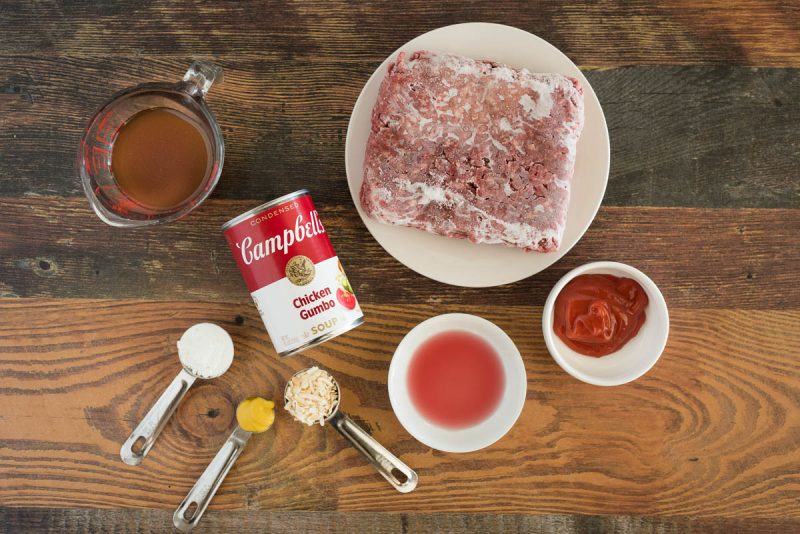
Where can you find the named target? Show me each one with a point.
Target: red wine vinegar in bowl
(457, 382)
(456, 379)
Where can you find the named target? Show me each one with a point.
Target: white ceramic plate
(487, 431)
(631, 361)
(460, 262)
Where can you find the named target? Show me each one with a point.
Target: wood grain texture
(56, 247)
(680, 136)
(702, 109)
(125, 521)
(711, 431)
(610, 33)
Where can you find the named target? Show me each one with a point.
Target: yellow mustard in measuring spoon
(255, 414)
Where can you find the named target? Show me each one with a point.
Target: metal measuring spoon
(384, 461)
(205, 351)
(188, 514)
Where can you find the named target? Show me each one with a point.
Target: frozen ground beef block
(473, 149)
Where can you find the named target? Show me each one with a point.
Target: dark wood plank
(593, 33)
(56, 247)
(680, 136)
(702, 136)
(711, 431)
(124, 521)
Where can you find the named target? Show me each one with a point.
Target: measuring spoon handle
(384, 461)
(197, 500)
(144, 435)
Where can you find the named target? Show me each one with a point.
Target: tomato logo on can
(292, 272)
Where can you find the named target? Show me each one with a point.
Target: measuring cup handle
(152, 424)
(200, 77)
(384, 461)
(197, 500)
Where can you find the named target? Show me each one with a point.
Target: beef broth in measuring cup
(160, 158)
(153, 152)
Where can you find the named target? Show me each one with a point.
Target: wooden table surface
(704, 196)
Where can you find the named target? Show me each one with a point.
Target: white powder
(206, 350)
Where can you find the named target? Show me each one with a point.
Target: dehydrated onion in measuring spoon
(205, 351)
(313, 396)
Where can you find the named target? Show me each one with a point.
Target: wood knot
(44, 267)
(239, 320)
(207, 411)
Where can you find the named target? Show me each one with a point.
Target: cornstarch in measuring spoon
(206, 350)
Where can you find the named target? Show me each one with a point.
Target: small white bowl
(487, 431)
(636, 357)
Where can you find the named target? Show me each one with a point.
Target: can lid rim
(249, 213)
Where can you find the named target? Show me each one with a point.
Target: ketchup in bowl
(596, 314)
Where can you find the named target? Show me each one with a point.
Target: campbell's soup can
(292, 272)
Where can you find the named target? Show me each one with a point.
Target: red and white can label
(293, 274)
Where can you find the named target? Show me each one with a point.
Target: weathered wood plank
(680, 136)
(56, 247)
(711, 431)
(124, 521)
(595, 34)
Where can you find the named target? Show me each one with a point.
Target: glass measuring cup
(185, 98)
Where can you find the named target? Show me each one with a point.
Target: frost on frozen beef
(473, 149)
